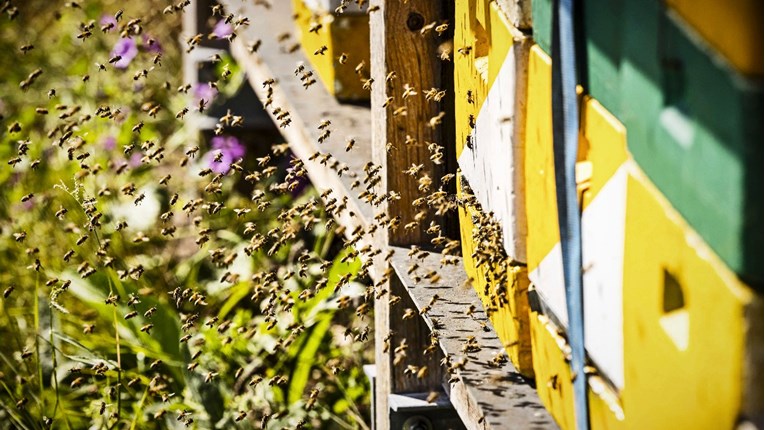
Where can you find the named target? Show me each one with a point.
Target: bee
(321, 50)
(242, 415)
(77, 382)
(343, 58)
(314, 27)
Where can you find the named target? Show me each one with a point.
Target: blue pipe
(565, 147)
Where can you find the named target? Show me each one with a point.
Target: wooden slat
(402, 57)
(402, 140)
(307, 107)
(411, 330)
(484, 395)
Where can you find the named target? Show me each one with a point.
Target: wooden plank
(486, 395)
(404, 58)
(308, 108)
(407, 329)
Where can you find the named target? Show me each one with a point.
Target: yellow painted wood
(554, 385)
(340, 34)
(693, 355)
(732, 27)
(508, 311)
(482, 40)
(599, 161)
(541, 207)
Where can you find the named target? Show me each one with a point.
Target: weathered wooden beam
(406, 62)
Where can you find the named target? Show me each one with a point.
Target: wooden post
(405, 63)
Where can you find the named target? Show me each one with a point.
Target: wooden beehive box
(326, 36)
(650, 286)
(490, 61)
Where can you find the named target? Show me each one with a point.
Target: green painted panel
(541, 18)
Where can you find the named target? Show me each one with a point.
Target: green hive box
(693, 123)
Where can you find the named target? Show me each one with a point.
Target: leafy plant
(150, 279)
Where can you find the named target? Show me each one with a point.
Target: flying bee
(242, 415)
(321, 50)
(201, 105)
(314, 27)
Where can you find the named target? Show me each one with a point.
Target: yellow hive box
(666, 323)
(489, 71)
(733, 28)
(326, 37)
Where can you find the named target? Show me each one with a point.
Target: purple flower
(227, 149)
(222, 29)
(108, 19)
(151, 45)
(127, 49)
(135, 159)
(203, 91)
(109, 143)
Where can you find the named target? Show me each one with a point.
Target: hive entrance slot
(676, 320)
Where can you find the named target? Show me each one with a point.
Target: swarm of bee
(158, 279)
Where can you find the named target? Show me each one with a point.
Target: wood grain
(399, 47)
(486, 396)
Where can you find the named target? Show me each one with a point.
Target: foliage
(146, 286)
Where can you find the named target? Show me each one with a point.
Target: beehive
(490, 62)
(663, 313)
(326, 36)
(690, 94)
